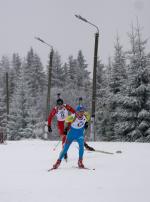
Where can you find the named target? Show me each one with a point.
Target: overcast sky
(54, 21)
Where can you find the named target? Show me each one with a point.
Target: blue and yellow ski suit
(76, 133)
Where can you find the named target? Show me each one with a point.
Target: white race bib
(62, 114)
(79, 123)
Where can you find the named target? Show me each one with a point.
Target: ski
(101, 151)
(85, 168)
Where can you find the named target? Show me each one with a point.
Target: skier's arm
(68, 122)
(70, 118)
(69, 108)
(86, 125)
(87, 115)
(50, 117)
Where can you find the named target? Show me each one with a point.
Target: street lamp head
(81, 18)
(85, 20)
(41, 40)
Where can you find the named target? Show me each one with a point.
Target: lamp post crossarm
(94, 26)
(85, 20)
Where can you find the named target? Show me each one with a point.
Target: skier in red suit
(61, 112)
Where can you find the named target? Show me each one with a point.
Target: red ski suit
(61, 115)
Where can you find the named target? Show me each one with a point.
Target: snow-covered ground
(121, 177)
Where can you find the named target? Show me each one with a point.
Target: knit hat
(80, 108)
(59, 102)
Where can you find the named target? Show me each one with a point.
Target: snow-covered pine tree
(82, 72)
(77, 81)
(117, 83)
(19, 114)
(118, 71)
(65, 75)
(14, 72)
(4, 68)
(57, 71)
(83, 81)
(134, 121)
(35, 79)
(72, 72)
(3, 114)
(102, 107)
(70, 91)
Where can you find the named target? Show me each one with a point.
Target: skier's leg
(80, 141)
(67, 144)
(60, 126)
(63, 137)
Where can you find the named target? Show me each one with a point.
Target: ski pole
(56, 145)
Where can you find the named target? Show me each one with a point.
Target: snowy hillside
(123, 177)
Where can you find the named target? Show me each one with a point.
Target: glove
(86, 125)
(49, 129)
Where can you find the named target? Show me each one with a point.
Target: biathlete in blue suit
(76, 133)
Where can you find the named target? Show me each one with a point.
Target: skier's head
(80, 109)
(59, 102)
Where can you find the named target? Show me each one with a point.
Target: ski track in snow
(121, 177)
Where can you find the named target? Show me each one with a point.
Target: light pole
(49, 76)
(93, 135)
(7, 101)
(7, 95)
